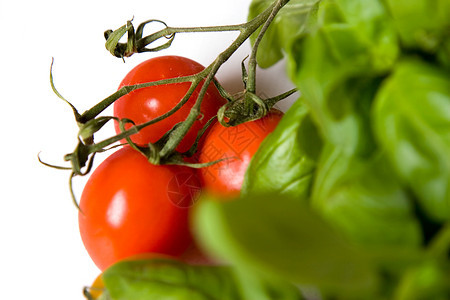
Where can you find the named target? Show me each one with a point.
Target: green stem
(135, 129)
(105, 103)
(169, 31)
(272, 101)
(251, 82)
(178, 134)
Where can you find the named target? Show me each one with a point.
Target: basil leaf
(443, 54)
(258, 286)
(429, 280)
(364, 200)
(278, 236)
(163, 278)
(285, 161)
(339, 66)
(340, 104)
(359, 37)
(421, 24)
(292, 21)
(360, 34)
(412, 123)
(144, 279)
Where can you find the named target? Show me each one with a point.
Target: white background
(41, 253)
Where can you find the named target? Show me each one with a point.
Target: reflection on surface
(116, 210)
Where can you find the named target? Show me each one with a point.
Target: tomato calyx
(248, 107)
(152, 151)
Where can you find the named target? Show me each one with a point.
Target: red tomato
(148, 103)
(130, 206)
(239, 144)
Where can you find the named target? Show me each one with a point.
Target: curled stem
(75, 111)
(138, 44)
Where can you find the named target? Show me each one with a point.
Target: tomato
(238, 144)
(129, 206)
(148, 103)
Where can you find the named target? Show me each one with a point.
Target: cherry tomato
(148, 103)
(238, 144)
(130, 206)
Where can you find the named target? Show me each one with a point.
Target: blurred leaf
(145, 279)
(412, 122)
(292, 21)
(421, 24)
(430, 280)
(443, 54)
(360, 34)
(286, 160)
(339, 66)
(364, 200)
(163, 278)
(278, 236)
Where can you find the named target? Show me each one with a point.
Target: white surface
(42, 256)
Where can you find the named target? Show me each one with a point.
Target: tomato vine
(245, 107)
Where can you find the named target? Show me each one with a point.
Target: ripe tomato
(130, 206)
(238, 144)
(148, 103)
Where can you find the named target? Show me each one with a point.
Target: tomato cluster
(130, 206)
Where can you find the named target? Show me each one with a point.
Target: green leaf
(339, 104)
(339, 66)
(443, 54)
(430, 280)
(278, 236)
(363, 199)
(258, 286)
(292, 21)
(412, 123)
(421, 24)
(285, 161)
(163, 278)
(144, 279)
(354, 35)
